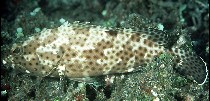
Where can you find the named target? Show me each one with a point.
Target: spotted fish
(79, 50)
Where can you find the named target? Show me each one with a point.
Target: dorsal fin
(155, 35)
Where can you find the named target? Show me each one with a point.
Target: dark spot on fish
(140, 48)
(86, 66)
(156, 51)
(141, 54)
(101, 54)
(147, 60)
(181, 52)
(35, 69)
(74, 54)
(24, 64)
(108, 42)
(47, 57)
(95, 57)
(90, 63)
(141, 61)
(149, 37)
(67, 55)
(118, 54)
(70, 66)
(123, 45)
(107, 68)
(150, 44)
(106, 58)
(54, 30)
(182, 56)
(100, 69)
(118, 68)
(131, 55)
(90, 51)
(130, 48)
(88, 57)
(125, 52)
(58, 56)
(37, 63)
(127, 58)
(111, 62)
(145, 50)
(149, 55)
(96, 50)
(112, 32)
(99, 44)
(93, 68)
(104, 47)
(128, 42)
(43, 67)
(122, 57)
(161, 39)
(125, 64)
(68, 49)
(30, 64)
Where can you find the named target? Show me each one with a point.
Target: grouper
(79, 50)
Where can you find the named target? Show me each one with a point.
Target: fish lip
(7, 55)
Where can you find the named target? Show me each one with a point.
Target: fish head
(9, 52)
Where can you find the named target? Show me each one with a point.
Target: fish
(79, 50)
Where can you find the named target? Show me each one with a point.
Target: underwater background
(156, 82)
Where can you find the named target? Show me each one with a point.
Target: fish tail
(189, 64)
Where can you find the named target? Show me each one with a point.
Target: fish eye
(17, 50)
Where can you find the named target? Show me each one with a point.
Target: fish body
(81, 50)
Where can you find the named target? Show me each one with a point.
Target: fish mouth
(9, 52)
(6, 54)
(5, 51)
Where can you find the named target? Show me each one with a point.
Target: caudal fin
(190, 65)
